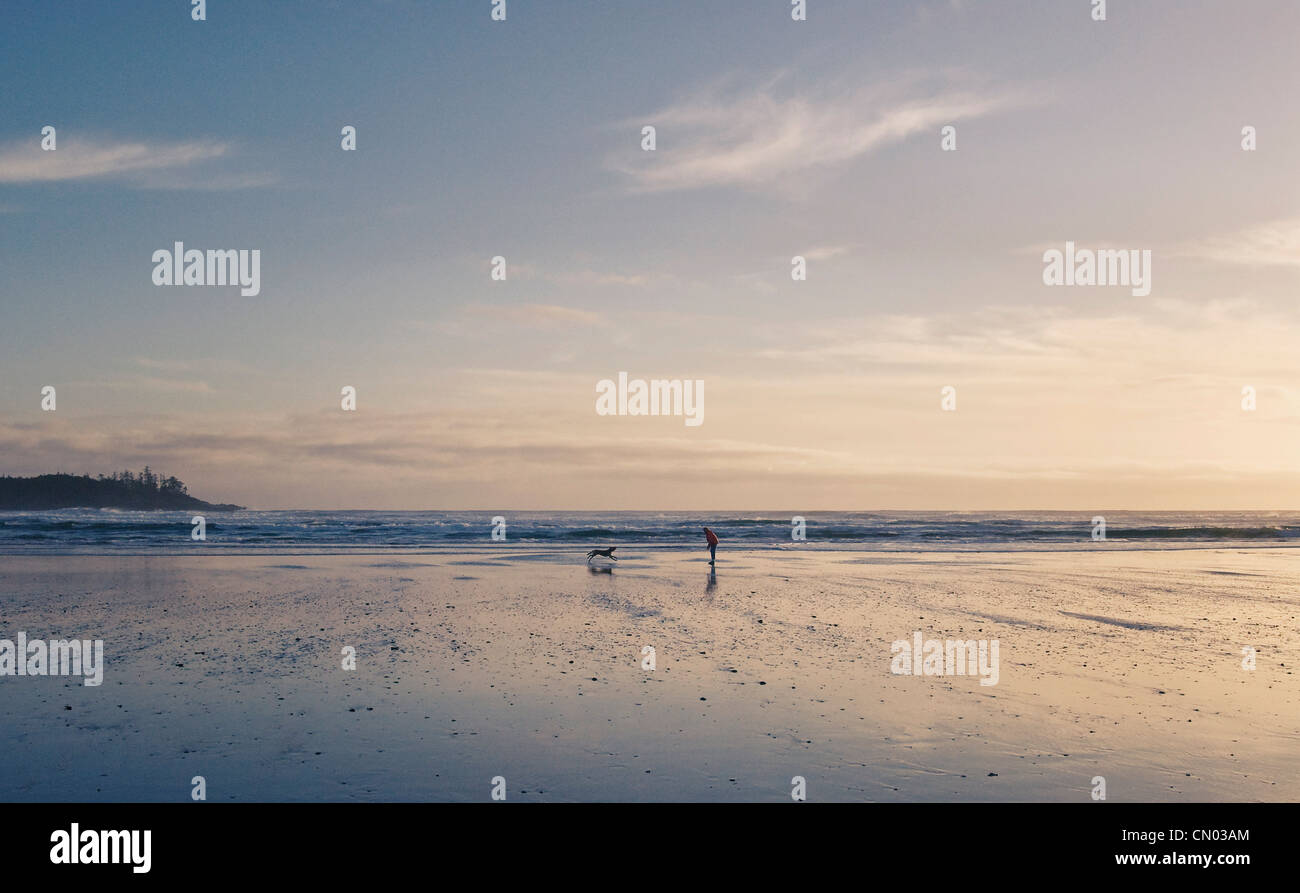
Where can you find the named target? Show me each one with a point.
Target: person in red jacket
(713, 544)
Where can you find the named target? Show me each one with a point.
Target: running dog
(603, 553)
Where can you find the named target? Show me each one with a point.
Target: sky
(775, 138)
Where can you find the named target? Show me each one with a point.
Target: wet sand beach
(527, 664)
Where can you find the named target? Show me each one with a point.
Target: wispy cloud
(579, 277)
(755, 137)
(1141, 406)
(143, 383)
(824, 252)
(161, 165)
(539, 314)
(1224, 340)
(595, 277)
(1276, 243)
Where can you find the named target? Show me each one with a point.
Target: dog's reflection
(599, 570)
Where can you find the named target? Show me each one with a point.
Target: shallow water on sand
(528, 665)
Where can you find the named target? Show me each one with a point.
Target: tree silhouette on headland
(121, 489)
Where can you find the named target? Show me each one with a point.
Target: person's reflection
(713, 581)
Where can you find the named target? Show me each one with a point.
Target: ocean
(109, 531)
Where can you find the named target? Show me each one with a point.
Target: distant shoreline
(148, 492)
